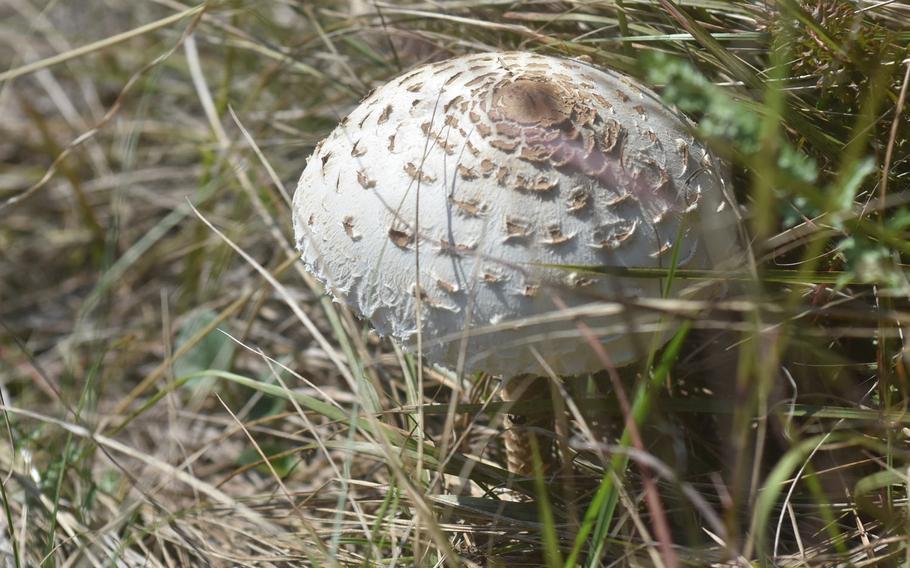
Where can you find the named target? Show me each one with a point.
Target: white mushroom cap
(458, 180)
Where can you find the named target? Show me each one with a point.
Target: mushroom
(444, 203)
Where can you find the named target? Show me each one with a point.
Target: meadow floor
(177, 390)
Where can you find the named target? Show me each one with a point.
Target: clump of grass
(176, 390)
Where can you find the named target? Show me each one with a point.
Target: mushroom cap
(458, 185)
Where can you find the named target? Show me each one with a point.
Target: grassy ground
(167, 404)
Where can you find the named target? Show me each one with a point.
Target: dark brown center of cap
(532, 101)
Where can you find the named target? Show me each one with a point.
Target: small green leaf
(842, 197)
(724, 120)
(281, 461)
(214, 351)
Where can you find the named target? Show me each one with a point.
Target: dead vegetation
(169, 401)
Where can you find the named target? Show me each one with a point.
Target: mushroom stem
(521, 428)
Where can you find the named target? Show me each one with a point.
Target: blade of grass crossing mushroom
(671, 271)
(640, 407)
(599, 515)
(642, 402)
(771, 275)
(771, 139)
(666, 286)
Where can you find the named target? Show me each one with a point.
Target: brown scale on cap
(453, 78)
(599, 99)
(539, 184)
(417, 174)
(555, 236)
(447, 286)
(578, 200)
(664, 249)
(469, 207)
(507, 146)
(454, 249)
(530, 290)
(443, 68)
(408, 76)
(417, 290)
(348, 225)
(538, 153)
(619, 199)
(466, 173)
(533, 101)
(577, 281)
(386, 113)
(660, 216)
(448, 106)
(491, 278)
(682, 148)
(480, 79)
(610, 136)
(364, 181)
(325, 159)
(487, 167)
(611, 237)
(502, 175)
(400, 236)
(508, 130)
(517, 228)
(442, 141)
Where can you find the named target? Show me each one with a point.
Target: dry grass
(169, 401)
